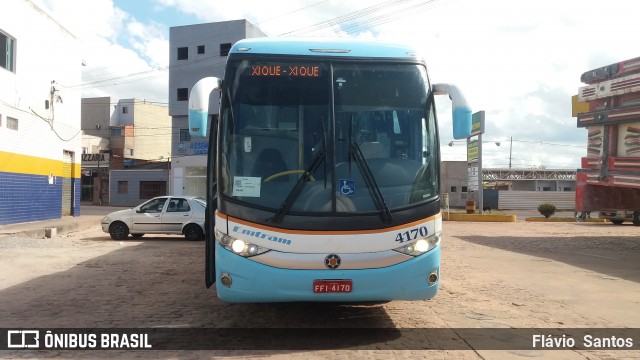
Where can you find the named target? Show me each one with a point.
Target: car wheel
(193, 232)
(137, 236)
(636, 218)
(617, 222)
(118, 230)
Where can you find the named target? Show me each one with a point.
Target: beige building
(127, 134)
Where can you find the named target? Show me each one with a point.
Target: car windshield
(201, 202)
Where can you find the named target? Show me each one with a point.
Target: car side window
(153, 206)
(178, 205)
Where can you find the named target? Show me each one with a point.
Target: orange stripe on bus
(319, 232)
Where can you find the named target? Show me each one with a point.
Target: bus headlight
(239, 246)
(223, 238)
(421, 246)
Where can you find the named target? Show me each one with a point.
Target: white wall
(52, 53)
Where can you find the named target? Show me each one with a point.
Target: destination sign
(293, 70)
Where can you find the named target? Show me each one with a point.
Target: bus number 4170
(412, 234)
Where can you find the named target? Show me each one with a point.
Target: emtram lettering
(261, 235)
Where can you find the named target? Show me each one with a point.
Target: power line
(538, 142)
(344, 18)
(291, 12)
(398, 11)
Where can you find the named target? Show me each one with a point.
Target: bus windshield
(328, 137)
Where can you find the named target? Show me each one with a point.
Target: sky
(519, 61)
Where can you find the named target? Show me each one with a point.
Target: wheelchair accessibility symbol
(347, 187)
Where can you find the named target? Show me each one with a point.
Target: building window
(151, 189)
(195, 181)
(12, 123)
(128, 152)
(224, 49)
(464, 189)
(184, 135)
(183, 53)
(125, 110)
(453, 189)
(200, 49)
(7, 52)
(116, 132)
(183, 94)
(123, 187)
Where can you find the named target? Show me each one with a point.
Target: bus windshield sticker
(347, 187)
(248, 186)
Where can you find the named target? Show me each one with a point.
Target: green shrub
(546, 209)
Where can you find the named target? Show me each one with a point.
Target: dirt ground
(494, 275)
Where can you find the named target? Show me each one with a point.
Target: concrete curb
(563, 219)
(49, 228)
(479, 217)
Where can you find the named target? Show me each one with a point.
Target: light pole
(99, 179)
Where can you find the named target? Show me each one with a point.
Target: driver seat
(269, 162)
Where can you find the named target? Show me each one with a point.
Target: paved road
(495, 275)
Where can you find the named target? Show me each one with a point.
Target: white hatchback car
(160, 215)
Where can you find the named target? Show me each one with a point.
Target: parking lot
(494, 276)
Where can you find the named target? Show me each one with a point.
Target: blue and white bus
(323, 172)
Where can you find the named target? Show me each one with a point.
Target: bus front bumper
(255, 282)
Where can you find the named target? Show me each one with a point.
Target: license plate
(332, 286)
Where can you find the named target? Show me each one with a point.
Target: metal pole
(480, 190)
(170, 191)
(510, 146)
(99, 181)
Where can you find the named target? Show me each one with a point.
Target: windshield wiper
(378, 199)
(376, 194)
(318, 159)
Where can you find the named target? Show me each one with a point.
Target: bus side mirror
(460, 109)
(199, 105)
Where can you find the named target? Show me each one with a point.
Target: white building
(128, 134)
(196, 51)
(40, 133)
